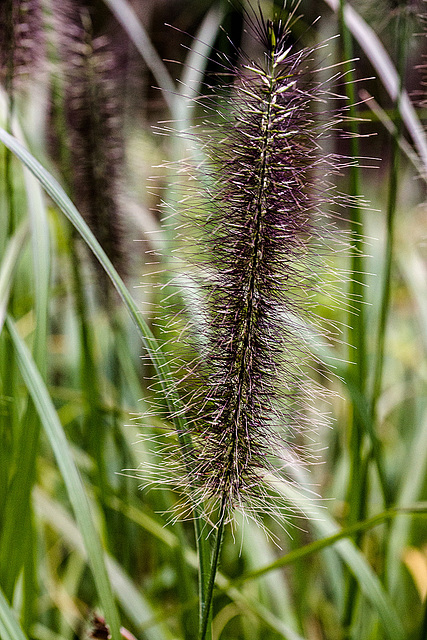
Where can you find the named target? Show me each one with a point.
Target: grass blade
(383, 65)
(9, 627)
(70, 474)
(323, 543)
(411, 486)
(58, 195)
(8, 266)
(370, 585)
(196, 62)
(41, 263)
(133, 602)
(127, 17)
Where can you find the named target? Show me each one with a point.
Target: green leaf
(70, 474)
(41, 263)
(325, 526)
(8, 266)
(195, 64)
(412, 481)
(137, 607)
(56, 192)
(324, 543)
(9, 627)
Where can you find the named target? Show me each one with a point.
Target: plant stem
(356, 484)
(391, 210)
(213, 569)
(357, 332)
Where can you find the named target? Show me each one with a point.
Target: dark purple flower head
(259, 224)
(22, 40)
(92, 127)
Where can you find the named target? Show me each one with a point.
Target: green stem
(203, 557)
(155, 353)
(8, 416)
(356, 221)
(93, 418)
(391, 210)
(357, 320)
(206, 610)
(310, 548)
(355, 496)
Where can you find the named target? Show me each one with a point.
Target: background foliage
(77, 537)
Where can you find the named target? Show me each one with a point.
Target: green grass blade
(383, 65)
(70, 474)
(133, 602)
(8, 266)
(41, 263)
(54, 189)
(252, 605)
(245, 604)
(323, 543)
(414, 470)
(382, 116)
(325, 526)
(9, 627)
(195, 64)
(56, 192)
(40, 241)
(13, 542)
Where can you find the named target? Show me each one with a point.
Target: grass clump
(262, 162)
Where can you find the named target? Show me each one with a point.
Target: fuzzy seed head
(259, 225)
(93, 125)
(22, 41)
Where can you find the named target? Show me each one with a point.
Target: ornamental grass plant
(256, 358)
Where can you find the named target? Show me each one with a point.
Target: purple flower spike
(22, 40)
(261, 227)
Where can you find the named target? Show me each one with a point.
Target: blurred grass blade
(272, 587)
(137, 608)
(196, 62)
(70, 474)
(127, 17)
(323, 543)
(58, 195)
(414, 270)
(387, 122)
(247, 604)
(8, 266)
(9, 627)
(414, 470)
(383, 65)
(325, 526)
(40, 242)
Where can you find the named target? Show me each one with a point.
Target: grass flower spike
(21, 47)
(259, 243)
(94, 160)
